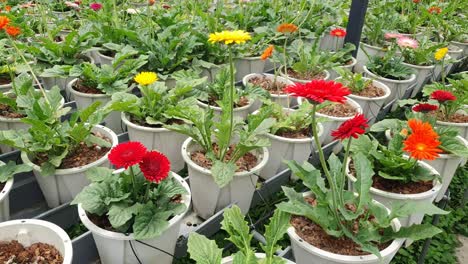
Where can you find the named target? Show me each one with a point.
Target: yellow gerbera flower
(440, 53)
(229, 37)
(146, 78)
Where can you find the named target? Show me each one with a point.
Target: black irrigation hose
(148, 245)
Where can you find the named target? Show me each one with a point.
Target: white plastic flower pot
(455, 53)
(67, 183)
(5, 87)
(331, 43)
(208, 198)
(103, 59)
(84, 100)
(160, 139)
(228, 260)
(62, 15)
(461, 127)
(282, 148)
(248, 65)
(423, 75)
(30, 231)
(388, 198)
(438, 68)
(333, 122)
(210, 73)
(284, 100)
(281, 72)
(462, 45)
(4, 199)
(116, 248)
(239, 112)
(398, 88)
(305, 253)
(334, 74)
(371, 105)
(362, 57)
(50, 82)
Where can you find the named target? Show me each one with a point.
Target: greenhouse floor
(462, 252)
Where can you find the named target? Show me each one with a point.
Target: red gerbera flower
(319, 91)
(12, 31)
(4, 21)
(95, 6)
(351, 128)
(127, 154)
(338, 32)
(155, 166)
(425, 108)
(435, 9)
(442, 96)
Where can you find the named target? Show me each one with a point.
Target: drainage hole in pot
(194, 225)
(300, 240)
(23, 221)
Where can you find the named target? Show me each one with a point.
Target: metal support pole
(357, 15)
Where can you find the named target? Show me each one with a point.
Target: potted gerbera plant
(223, 154)
(6, 184)
(60, 152)
(355, 228)
(290, 137)
(335, 111)
(135, 208)
(203, 250)
(146, 116)
(98, 83)
(399, 177)
(369, 94)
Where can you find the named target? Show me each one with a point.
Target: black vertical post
(357, 15)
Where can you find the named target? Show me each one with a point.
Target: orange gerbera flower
(8, 8)
(3, 22)
(13, 31)
(268, 52)
(421, 128)
(287, 28)
(422, 147)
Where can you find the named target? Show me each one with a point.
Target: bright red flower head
(338, 32)
(442, 96)
(319, 91)
(425, 108)
(351, 128)
(95, 6)
(127, 154)
(155, 166)
(416, 1)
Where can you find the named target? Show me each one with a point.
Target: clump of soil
(455, 118)
(78, 86)
(316, 236)
(306, 76)
(371, 91)
(268, 85)
(4, 81)
(80, 156)
(8, 112)
(245, 163)
(102, 221)
(243, 101)
(339, 110)
(2, 185)
(108, 53)
(394, 186)
(41, 253)
(302, 133)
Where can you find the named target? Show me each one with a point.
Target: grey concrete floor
(462, 252)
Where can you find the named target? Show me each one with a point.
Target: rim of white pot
(284, 80)
(113, 138)
(249, 58)
(229, 259)
(262, 153)
(437, 185)
(293, 140)
(6, 189)
(98, 52)
(186, 198)
(143, 128)
(348, 100)
(78, 93)
(462, 125)
(410, 80)
(6, 86)
(349, 65)
(396, 243)
(216, 108)
(454, 49)
(372, 47)
(459, 43)
(67, 243)
(420, 67)
(375, 83)
(327, 76)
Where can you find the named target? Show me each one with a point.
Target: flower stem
(231, 102)
(343, 171)
(135, 190)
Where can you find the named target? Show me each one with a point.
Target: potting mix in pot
(171, 131)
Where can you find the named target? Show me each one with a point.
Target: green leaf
(203, 250)
(119, 214)
(237, 228)
(382, 126)
(92, 198)
(150, 222)
(223, 172)
(242, 258)
(414, 232)
(7, 171)
(407, 208)
(311, 177)
(364, 175)
(99, 174)
(274, 232)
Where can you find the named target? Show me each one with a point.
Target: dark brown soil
(108, 53)
(78, 86)
(371, 91)
(81, 156)
(7, 111)
(41, 253)
(303, 133)
(101, 221)
(245, 163)
(394, 186)
(306, 76)
(339, 110)
(268, 85)
(455, 118)
(2, 185)
(4, 81)
(316, 236)
(243, 101)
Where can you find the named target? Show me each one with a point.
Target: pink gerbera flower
(406, 42)
(392, 35)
